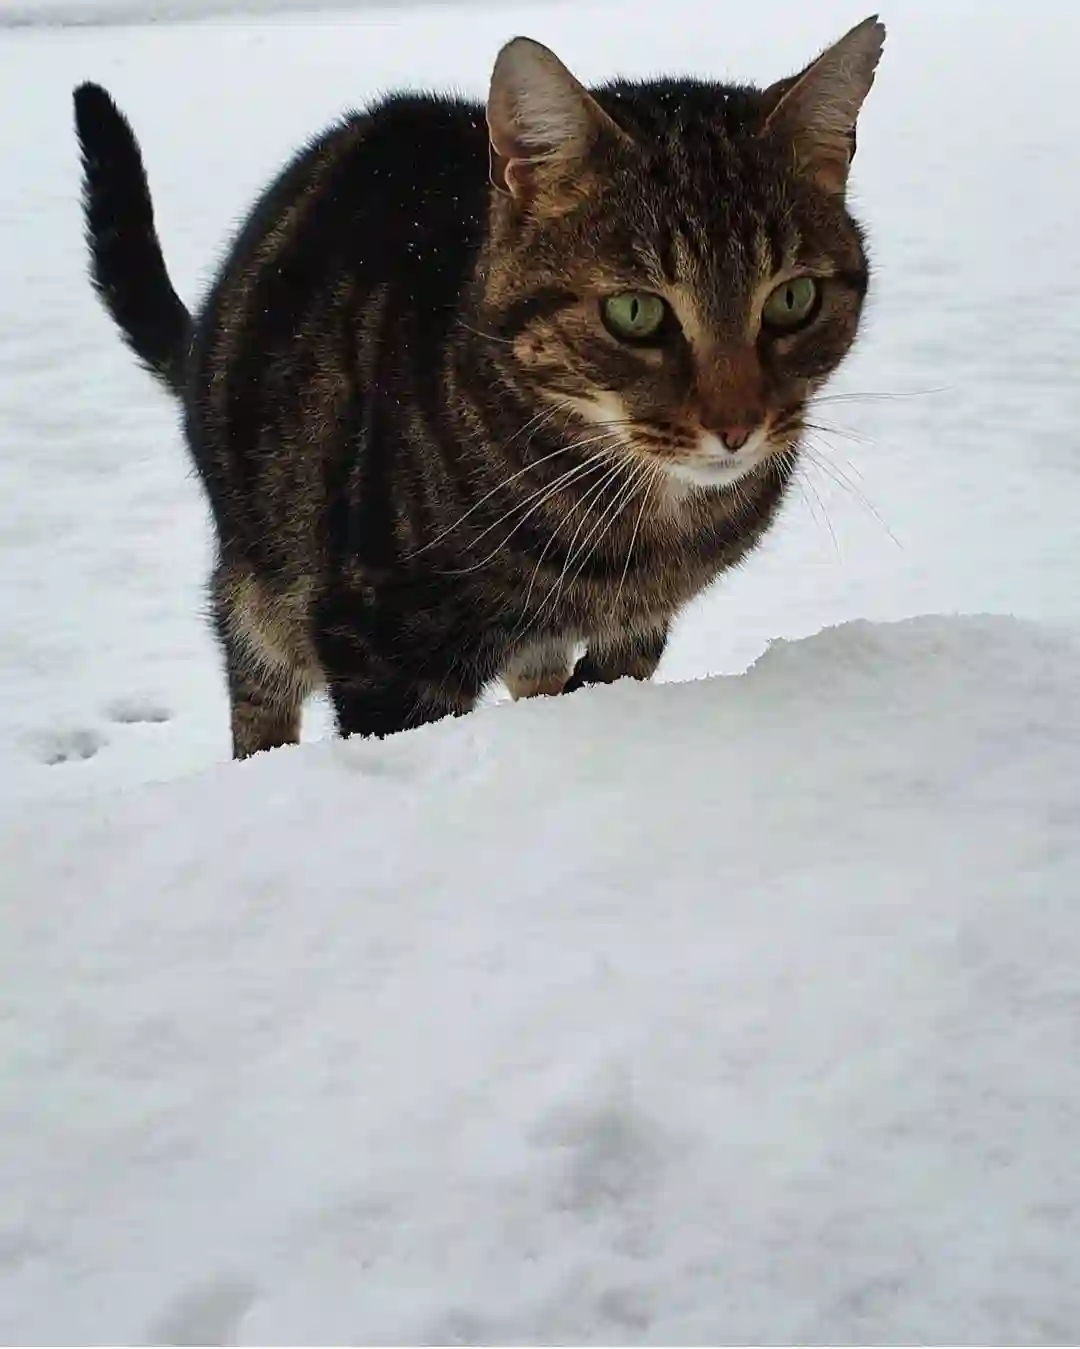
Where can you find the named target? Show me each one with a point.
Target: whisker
(595, 493)
(615, 421)
(654, 474)
(841, 432)
(877, 397)
(574, 508)
(551, 539)
(541, 418)
(545, 493)
(816, 459)
(609, 518)
(573, 552)
(499, 487)
(807, 488)
(491, 337)
(818, 453)
(623, 494)
(739, 495)
(540, 562)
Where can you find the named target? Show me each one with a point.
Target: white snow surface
(106, 13)
(740, 1011)
(743, 1009)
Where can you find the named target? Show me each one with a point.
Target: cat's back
(394, 195)
(354, 255)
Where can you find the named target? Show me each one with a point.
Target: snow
(105, 13)
(735, 1010)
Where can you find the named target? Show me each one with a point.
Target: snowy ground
(742, 1011)
(107, 13)
(739, 1010)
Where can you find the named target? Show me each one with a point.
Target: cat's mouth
(687, 454)
(710, 463)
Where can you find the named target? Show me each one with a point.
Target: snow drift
(737, 1011)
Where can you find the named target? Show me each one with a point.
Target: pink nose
(735, 437)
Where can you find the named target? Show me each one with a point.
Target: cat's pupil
(634, 307)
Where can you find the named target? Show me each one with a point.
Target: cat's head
(673, 262)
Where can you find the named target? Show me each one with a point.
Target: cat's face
(681, 285)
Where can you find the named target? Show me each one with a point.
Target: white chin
(716, 466)
(713, 473)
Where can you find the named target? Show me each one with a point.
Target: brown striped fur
(431, 461)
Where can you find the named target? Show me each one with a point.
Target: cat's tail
(126, 263)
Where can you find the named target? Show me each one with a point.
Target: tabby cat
(492, 393)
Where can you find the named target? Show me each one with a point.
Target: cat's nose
(735, 437)
(733, 427)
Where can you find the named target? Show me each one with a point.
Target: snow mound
(737, 1011)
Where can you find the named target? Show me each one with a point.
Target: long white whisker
(543, 416)
(544, 493)
(491, 337)
(807, 488)
(814, 457)
(501, 486)
(610, 516)
(575, 507)
(578, 445)
(840, 432)
(654, 474)
(825, 457)
(876, 397)
(594, 494)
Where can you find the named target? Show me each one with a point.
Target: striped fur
(430, 466)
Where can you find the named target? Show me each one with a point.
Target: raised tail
(126, 264)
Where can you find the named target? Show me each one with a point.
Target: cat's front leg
(375, 696)
(377, 709)
(634, 657)
(539, 671)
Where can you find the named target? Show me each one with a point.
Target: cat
(478, 389)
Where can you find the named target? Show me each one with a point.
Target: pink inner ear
(517, 177)
(511, 177)
(512, 165)
(508, 158)
(497, 166)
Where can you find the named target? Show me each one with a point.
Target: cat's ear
(816, 111)
(541, 120)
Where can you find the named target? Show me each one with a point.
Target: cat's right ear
(541, 120)
(816, 111)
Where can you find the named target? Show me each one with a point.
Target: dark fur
(377, 360)
(127, 266)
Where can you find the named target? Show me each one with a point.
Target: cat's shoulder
(406, 130)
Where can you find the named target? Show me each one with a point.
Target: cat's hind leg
(270, 668)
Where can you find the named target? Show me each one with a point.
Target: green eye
(792, 304)
(633, 315)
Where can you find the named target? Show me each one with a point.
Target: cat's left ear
(542, 122)
(816, 111)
